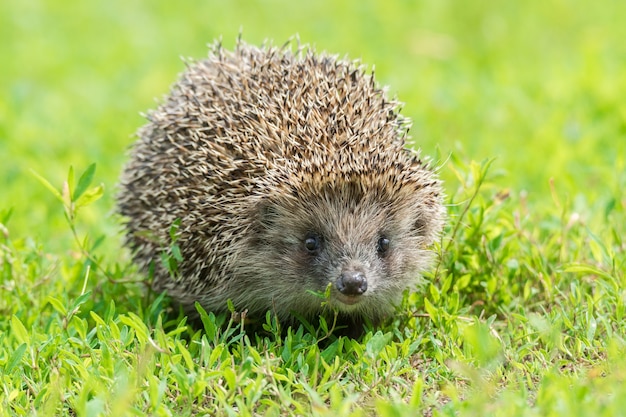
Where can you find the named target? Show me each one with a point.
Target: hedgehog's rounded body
(288, 173)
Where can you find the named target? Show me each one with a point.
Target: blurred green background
(540, 85)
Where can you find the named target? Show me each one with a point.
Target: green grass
(523, 314)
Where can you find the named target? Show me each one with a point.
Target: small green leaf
(80, 300)
(49, 186)
(19, 331)
(416, 394)
(377, 343)
(323, 325)
(97, 318)
(110, 312)
(174, 229)
(90, 196)
(208, 321)
(97, 243)
(462, 282)
(215, 355)
(83, 182)
(134, 322)
(434, 292)
(57, 305)
(231, 378)
(15, 358)
(185, 354)
(430, 309)
(586, 269)
(176, 253)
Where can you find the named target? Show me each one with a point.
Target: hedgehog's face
(366, 249)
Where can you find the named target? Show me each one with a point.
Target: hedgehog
(281, 180)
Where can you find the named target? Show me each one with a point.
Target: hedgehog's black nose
(352, 283)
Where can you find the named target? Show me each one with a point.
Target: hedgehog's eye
(313, 243)
(382, 246)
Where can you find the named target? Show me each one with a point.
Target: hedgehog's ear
(266, 214)
(423, 227)
(427, 224)
(420, 225)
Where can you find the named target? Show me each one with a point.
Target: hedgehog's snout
(351, 283)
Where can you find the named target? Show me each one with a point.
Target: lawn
(520, 103)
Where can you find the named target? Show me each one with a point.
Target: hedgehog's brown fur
(260, 149)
